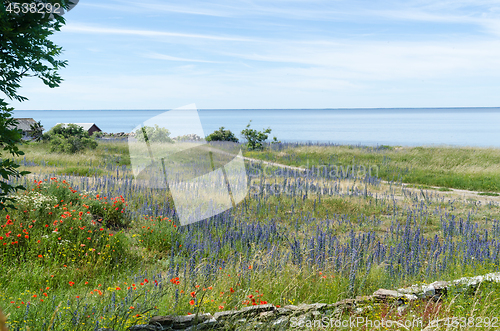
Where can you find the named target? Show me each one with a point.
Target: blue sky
(153, 54)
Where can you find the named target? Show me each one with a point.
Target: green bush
(69, 139)
(54, 224)
(255, 139)
(153, 134)
(222, 135)
(111, 212)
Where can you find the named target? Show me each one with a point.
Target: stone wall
(270, 317)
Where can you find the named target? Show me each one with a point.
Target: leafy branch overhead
(9, 140)
(25, 51)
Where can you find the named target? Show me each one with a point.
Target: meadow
(89, 247)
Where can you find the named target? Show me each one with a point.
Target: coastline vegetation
(294, 239)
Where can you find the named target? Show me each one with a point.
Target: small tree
(69, 139)
(254, 138)
(222, 135)
(155, 134)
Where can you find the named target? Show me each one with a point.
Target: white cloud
(84, 28)
(159, 56)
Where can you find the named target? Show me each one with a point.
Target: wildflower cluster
(54, 223)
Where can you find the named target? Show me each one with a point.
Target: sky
(223, 54)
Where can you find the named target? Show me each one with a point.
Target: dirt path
(453, 193)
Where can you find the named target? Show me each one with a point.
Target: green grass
(489, 194)
(96, 162)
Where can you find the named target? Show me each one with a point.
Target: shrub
(153, 134)
(54, 223)
(111, 212)
(255, 139)
(69, 139)
(222, 135)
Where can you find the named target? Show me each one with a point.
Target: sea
(478, 127)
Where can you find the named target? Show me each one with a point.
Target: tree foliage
(255, 139)
(10, 137)
(25, 51)
(69, 139)
(222, 135)
(155, 134)
(36, 131)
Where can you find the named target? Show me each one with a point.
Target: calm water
(445, 126)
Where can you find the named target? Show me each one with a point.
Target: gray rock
(227, 314)
(283, 311)
(182, 322)
(207, 325)
(344, 303)
(386, 295)
(314, 306)
(143, 327)
(291, 307)
(282, 321)
(255, 310)
(267, 315)
(177, 322)
(162, 320)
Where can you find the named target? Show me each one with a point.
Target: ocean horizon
(454, 126)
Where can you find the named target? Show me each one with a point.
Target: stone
(440, 288)
(364, 299)
(227, 314)
(414, 289)
(182, 322)
(314, 306)
(282, 321)
(283, 311)
(168, 322)
(207, 325)
(267, 315)
(162, 320)
(142, 327)
(255, 310)
(386, 295)
(291, 307)
(344, 303)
